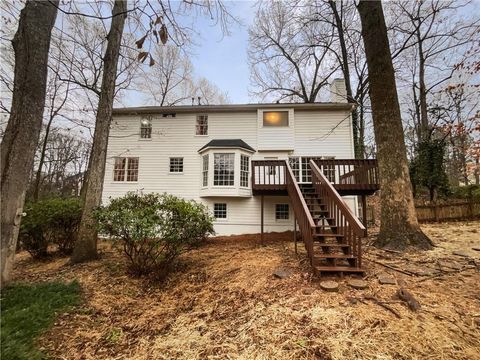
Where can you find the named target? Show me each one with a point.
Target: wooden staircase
(330, 251)
(331, 232)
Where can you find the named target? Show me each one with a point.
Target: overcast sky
(223, 60)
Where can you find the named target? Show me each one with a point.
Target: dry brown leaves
(224, 303)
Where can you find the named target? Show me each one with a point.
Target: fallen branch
(392, 251)
(444, 273)
(384, 305)
(406, 272)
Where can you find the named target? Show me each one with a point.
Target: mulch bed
(224, 302)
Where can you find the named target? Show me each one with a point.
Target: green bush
(154, 229)
(51, 221)
(466, 192)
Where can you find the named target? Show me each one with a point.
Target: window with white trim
(220, 210)
(176, 164)
(224, 169)
(145, 128)
(244, 170)
(275, 118)
(295, 165)
(205, 170)
(125, 169)
(282, 212)
(201, 127)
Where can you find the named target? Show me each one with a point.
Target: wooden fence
(448, 211)
(439, 212)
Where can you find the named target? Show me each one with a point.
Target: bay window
(224, 169)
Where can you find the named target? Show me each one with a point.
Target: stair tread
(328, 234)
(333, 256)
(319, 244)
(339, 268)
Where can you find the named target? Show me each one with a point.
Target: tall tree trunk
(38, 175)
(422, 93)
(86, 245)
(477, 171)
(31, 45)
(399, 226)
(346, 74)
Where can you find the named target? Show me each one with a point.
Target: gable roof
(227, 143)
(230, 107)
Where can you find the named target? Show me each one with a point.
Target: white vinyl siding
(317, 133)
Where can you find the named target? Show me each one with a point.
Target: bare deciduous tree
(172, 81)
(399, 226)
(86, 244)
(31, 45)
(431, 39)
(291, 59)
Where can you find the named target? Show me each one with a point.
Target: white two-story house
(230, 157)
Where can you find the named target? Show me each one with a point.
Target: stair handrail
(347, 212)
(346, 222)
(302, 214)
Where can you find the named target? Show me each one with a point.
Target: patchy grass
(27, 311)
(224, 303)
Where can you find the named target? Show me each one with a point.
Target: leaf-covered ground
(224, 303)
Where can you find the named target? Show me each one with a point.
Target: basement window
(275, 118)
(282, 212)
(220, 210)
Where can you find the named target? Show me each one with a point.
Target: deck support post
(364, 212)
(295, 232)
(262, 219)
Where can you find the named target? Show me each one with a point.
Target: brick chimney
(338, 91)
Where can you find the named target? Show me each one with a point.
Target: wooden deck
(347, 176)
(330, 231)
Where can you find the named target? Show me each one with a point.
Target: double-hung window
(125, 169)
(205, 170)
(224, 169)
(244, 170)
(145, 129)
(201, 126)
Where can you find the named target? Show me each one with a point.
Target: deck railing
(269, 174)
(350, 174)
(347, 223)
(302, 214)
